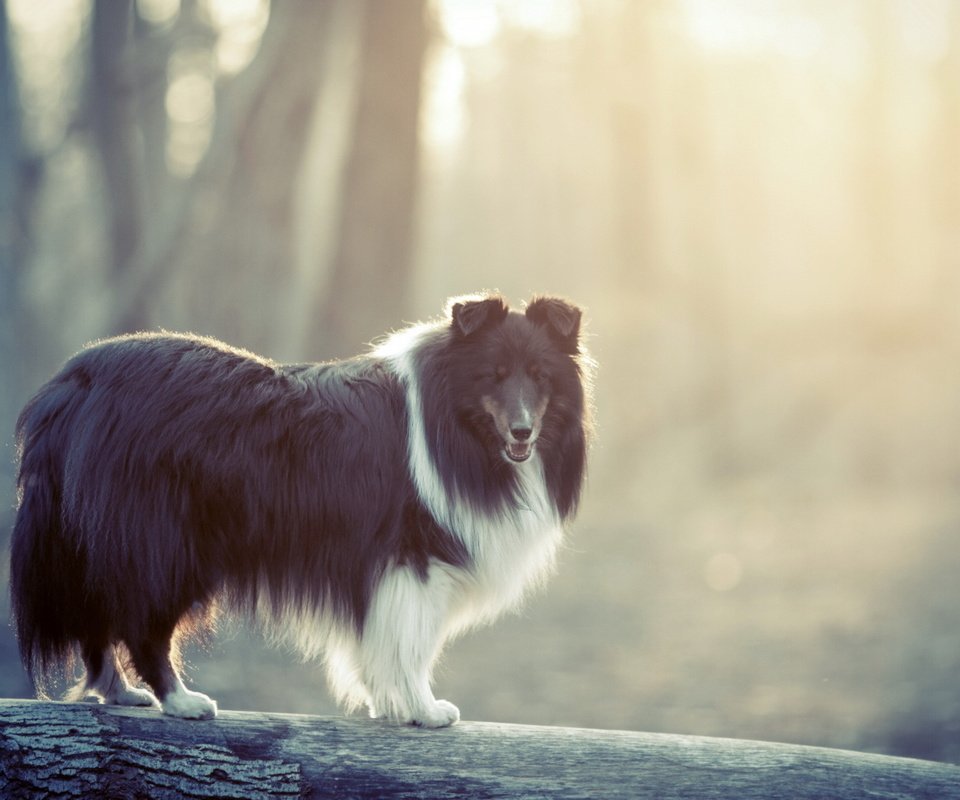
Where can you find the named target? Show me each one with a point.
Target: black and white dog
(369, 509)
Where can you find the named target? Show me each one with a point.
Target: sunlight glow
(45, 38)
(189, 102)
(241, 24)
(924, 28)
(190, 98)
(469, 23)
(550, 18)
(158, 12)
(444, 115)
(476, 23)
(751, 27)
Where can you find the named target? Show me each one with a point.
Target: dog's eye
(538, 373)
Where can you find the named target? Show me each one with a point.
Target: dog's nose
(521, 433)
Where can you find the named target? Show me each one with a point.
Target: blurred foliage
(759, 205)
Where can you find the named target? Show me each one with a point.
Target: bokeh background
(758, 204)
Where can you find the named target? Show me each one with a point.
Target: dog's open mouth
(519, 451)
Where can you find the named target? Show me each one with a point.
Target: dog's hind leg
(402, 636)
(152, 658)
(107, 679)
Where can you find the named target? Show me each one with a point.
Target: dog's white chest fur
(511, 552)
(512, 549)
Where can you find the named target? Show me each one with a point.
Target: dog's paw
(189, 705)
(128, 696)
(439, 715)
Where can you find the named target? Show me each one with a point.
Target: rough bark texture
(78, 750)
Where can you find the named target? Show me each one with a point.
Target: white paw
(128, 696)
(439, 715)
(189, 705)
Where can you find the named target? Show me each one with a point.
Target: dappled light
(758, 205)
(240, 24)
(190, 110)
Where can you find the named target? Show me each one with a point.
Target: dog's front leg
(402, 636)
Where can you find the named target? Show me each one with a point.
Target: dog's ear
(470, 315)
(562, 320)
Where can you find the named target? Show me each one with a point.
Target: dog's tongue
(518, 451)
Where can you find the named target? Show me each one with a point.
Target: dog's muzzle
(520, 446)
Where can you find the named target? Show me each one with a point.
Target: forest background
(758, 204)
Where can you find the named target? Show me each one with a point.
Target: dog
(367, 510)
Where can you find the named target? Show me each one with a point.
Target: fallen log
(84, 750)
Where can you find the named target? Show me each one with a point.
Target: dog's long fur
(368, 509)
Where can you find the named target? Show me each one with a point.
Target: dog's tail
(46, 570)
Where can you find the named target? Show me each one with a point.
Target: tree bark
(80, 750)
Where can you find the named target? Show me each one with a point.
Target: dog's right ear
(470, 315)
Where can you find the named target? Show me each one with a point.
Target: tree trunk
(113, 118)
(236, 251)
(221, 242)
(78, 750)
(18, 177)
(372, 262)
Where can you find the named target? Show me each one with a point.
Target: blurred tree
(237, 222)
(223, 245)
(638, 122)
(112, 110)
(221, 250)
(9, 172)
(18, 179)
(113, 120)
(372, 262)
(9, 190)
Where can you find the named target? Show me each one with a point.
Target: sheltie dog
(366, 510)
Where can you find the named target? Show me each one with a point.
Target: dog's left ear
(562, 320)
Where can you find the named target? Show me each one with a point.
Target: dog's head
(517, 373)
